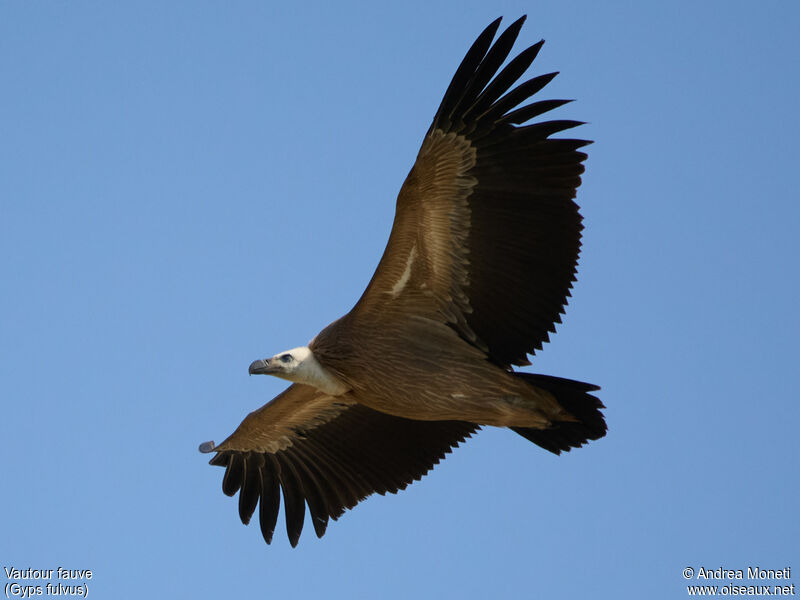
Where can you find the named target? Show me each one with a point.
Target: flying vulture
(475, 275)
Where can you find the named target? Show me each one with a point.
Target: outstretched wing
(315, 450)
(486, 234)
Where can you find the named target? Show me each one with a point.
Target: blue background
(188, 186)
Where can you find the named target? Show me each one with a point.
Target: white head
(301, 366)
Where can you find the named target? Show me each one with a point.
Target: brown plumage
(476, 274)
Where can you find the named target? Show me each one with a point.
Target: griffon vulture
(475, 275)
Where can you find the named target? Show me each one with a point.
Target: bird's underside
(475, 275)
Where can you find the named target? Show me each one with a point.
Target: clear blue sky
(188, 186)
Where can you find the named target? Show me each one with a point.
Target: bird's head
(290, 364)
(300, 366)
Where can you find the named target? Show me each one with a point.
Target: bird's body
(443, 376)
(475, 275)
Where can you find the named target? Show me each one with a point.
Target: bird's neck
(312, 372)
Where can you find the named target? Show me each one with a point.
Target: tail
(573, 396)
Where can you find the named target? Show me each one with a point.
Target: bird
(476, 274)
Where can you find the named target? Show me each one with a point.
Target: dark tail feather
(574, 396)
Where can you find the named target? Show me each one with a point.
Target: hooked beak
(262, 366)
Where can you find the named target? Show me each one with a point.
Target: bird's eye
(285, 358)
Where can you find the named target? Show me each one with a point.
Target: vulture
(475, 275)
